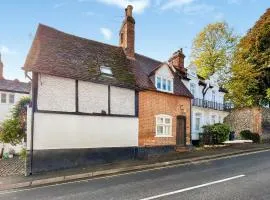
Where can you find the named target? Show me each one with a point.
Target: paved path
(244, 177)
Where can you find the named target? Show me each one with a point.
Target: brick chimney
(177, 60)
(1, 68)
(127, 33)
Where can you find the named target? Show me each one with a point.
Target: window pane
(167, 130)
(198, 121)
(106, 70)
(3, 98)
(169, 85)
(164, 84)
(160, 130)
(11, 98)
(167, 120)
(160, 120)
(158, 82)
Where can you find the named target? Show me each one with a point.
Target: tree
(213, 48)
(250, 82)
(13, 129)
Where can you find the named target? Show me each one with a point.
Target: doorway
(181, 131)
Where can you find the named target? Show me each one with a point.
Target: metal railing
(212, 105)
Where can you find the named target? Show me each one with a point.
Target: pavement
(164, 161)
(239, 177)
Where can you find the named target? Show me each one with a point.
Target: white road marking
(4, 192)
(192, 188)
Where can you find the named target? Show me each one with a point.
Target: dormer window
(106, 70)
(164, 84)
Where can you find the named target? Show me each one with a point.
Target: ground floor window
(163, 125)
(3, 97)
(197, 121)
(11, 98)
(213, 120)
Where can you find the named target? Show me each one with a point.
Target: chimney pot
(129, 11)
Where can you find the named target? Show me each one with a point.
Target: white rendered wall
(93, 98)
(164, 71)
(56, 93)
(206, 117)
(122, 101)
(5, 108)
(61, 131)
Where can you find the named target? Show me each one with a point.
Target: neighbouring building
(208, 106)
(11, 91)
(96, 103)
(255, 119)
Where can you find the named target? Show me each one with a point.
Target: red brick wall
(153, 103)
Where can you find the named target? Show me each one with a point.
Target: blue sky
(162, 26)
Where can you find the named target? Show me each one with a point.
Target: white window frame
(213, 119)
(5, 97)
(198, 116)
(162, 79)
(164, 124)
(11, 94)
(193, 88)
(106, 70)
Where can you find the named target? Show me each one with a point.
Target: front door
(181, 131)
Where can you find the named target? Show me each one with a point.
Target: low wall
(245, 119)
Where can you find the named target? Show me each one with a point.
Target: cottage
(96, 103)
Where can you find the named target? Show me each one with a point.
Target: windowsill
(171, 92)
(163, 136)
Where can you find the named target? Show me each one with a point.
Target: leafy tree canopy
(212, 49)
(250, 82)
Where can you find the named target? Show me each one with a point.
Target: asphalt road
(245, 177)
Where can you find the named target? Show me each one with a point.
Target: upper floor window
(11, 98)
(164, 84)
(193, 89)
(106, 70)
(3, 97)
(163, 125)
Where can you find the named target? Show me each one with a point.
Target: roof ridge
(149, 58)
(72, 35)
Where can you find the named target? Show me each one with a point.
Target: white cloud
(175, 3)
(5, 50)
(198, 9)
(107, 33)
(234, 1)
(58, 5)
(138, 5)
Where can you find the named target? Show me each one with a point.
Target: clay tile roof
(60, 54)
(143, 67)
(14, 86)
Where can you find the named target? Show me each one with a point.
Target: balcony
(212, 105)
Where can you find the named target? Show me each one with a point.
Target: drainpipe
(33, 87)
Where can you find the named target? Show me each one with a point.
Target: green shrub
(23, 154)
(215, 134)
(11, 131)
(248, 135)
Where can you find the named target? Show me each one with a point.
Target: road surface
(245, 177)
